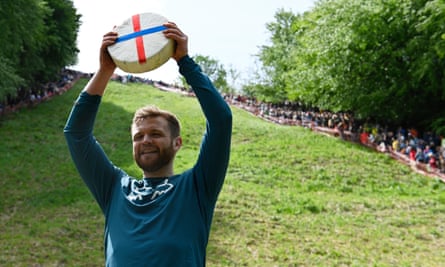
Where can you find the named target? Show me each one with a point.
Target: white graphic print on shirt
(142, 192)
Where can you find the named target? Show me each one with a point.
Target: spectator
(364, 138)
(411, 150)
(432, 162)
(419, 156)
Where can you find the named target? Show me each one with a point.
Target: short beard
(164, 158)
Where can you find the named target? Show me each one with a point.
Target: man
(163, 219)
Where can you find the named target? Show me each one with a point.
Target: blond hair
(153, 111)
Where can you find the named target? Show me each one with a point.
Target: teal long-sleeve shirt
(155, 221)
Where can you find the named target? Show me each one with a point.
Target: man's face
(153, 146)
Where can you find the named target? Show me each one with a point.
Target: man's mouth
(147, 152)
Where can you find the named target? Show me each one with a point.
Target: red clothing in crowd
(364, 138)
(432, 162)
(412, 154)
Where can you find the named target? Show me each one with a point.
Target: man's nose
(147, 139)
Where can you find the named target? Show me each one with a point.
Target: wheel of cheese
(141, 46)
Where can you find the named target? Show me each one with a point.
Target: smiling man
(156, 139)
(164, 218)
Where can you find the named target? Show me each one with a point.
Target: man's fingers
(109, 38)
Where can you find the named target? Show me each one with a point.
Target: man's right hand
(98, 83)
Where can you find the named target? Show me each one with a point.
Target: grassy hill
(291, 197)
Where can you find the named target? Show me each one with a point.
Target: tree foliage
(38, 39)
(378, 59)
(62, 25)
(275, 57)
(215, 71)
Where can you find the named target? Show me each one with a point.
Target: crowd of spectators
(425, 151)
(29, 97)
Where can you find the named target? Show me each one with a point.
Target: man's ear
(177, 143)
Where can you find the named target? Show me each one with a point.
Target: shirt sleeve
(89, 158)
(213, 160)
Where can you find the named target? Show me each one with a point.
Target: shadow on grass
(37, 169)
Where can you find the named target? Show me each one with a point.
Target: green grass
(291, 197)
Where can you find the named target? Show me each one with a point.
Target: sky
(230, 31)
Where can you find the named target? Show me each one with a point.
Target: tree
(379, 59)
(21, 22)
(233, 80)
(9, 80)
(428, 67)
(215, 71)
(62, 25)
(38, 39)
(373, 59)
(275, 58)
